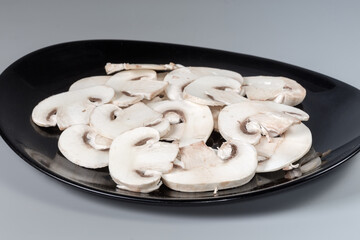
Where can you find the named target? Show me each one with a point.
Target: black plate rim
(146, 200)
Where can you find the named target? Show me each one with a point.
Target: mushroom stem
(117, 67)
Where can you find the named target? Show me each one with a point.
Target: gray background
(323, 36)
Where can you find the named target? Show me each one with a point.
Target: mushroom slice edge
(137, 159)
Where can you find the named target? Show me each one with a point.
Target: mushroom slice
(89, 82)
(110, 121)
(278, 89)
(198, 90)
(74, 145)
(196, 120)
(160, 97)
(117, 67)
(162, 126)
(137, 159)
(249, 120)
(180, 78)
(125, 99)
(136, 83)
(70, 108)
(203, 170)
(97, 141)
(122, 97)
(287, 149)
(175, 133)
(225, 97)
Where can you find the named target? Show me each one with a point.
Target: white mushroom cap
(248, 120)
(73, 144)
(135, 85)
(204, 171)
(70, 108)
(197, 91)
(180, 78)
(89, 82)
(137, 159)
(110, 121)
(285, 149)
(278, 89)
(196, 119)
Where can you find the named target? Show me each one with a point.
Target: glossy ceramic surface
(333, 107)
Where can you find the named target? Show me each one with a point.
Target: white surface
(322, 36)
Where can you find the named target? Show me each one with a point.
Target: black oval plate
(333, 107)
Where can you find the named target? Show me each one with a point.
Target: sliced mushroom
(160, 97)
(180, 78)
(198, 90)
(89, 82)
(97, 141)
(138, 160)
(134, 85)
(125, 99)
(285, 150)
(195, 120)
(162, 126)
(203, 170)
(175, 133)
(122, 98)
(70, 108)
(74, 145)
(249, 120)
(117, 67)
(225, 97)
(278, 89)
(110, 121)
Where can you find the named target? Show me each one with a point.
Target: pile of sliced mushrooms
(149, 124)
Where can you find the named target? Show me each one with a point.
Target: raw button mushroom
(134, 85)
(137, 159)
(74, 145)
(278, 89)
(285, 149)
(198, 90)
(70, 108)
(117, 67)
(180, 78)
(89, 82)
(249, 120)
(191, 122)
(110, 121)
(203, 170)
